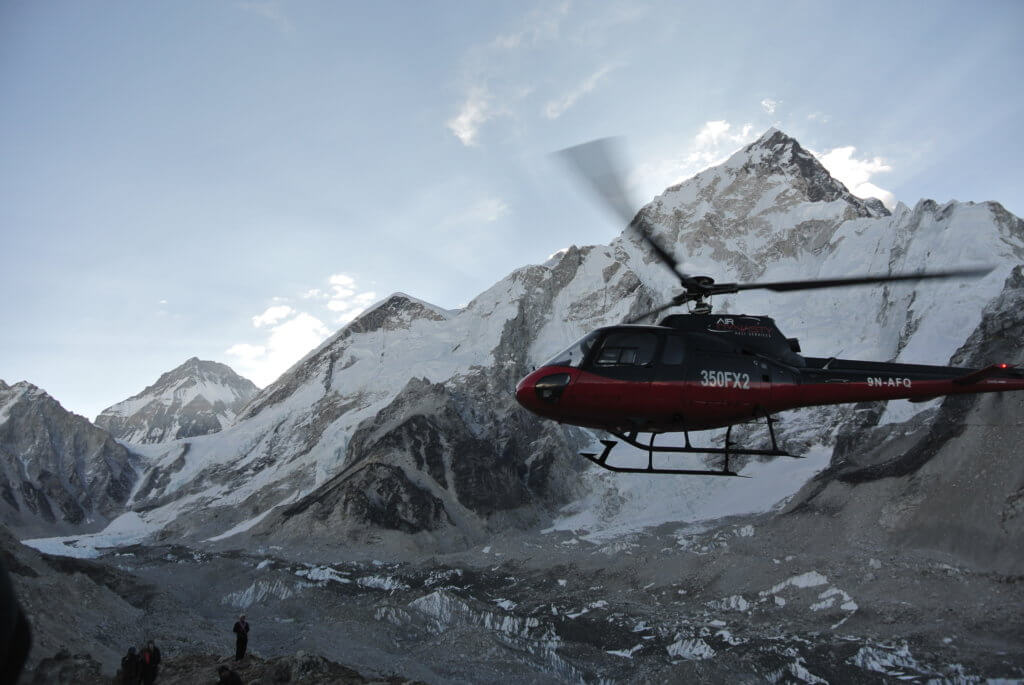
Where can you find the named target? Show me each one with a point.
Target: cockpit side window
(627, 348)
(674, 351)
(575, 353)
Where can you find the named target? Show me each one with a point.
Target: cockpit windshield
(575, 353)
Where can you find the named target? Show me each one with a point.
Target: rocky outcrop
(950, 481)
(197, 398)
(73, 605)
(58, 472)
(438, 456)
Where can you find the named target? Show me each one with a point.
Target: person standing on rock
(130, 668)
(149, 662)
(241, 637)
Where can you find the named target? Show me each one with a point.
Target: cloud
(271, 11)
(492, 83)
(855, 174)
(485, 211)
(345, 299)
(556, 108)
(716, 134)
(272, 315)
(769, 105)
(247, 353)
(711, 145)
(290, 334)
(539, 25)
(286, 344)
(714, 143)
(475, 111)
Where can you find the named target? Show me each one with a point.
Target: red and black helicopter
(700, 370)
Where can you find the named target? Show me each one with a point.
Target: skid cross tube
(602, 461)
(689, 449)
(728, 450)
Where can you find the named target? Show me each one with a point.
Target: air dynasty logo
(742, 326)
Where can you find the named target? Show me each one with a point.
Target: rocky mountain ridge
(770, 211)
(58, 472)
(403, 424)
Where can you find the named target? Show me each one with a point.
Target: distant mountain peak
(777, 152)
(197, 397)
(397, 310)
(772, 138)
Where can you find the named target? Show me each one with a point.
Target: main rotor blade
(641, 317)
(785, 286)
(599, 164)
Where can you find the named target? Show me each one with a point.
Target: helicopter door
(782, 380)
(621, 369)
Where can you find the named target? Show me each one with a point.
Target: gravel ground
(751, 599)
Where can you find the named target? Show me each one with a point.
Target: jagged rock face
(197, 398)
(434, 457)
(58, 472)
(349, 419)
(949, 481)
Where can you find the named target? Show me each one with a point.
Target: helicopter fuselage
(697, 372)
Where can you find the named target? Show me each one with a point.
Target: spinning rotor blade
(785, 286)
(641, 317)
(599, 164)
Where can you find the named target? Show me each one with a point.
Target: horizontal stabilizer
(982, 374)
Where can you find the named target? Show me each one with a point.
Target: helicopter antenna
(597, 164)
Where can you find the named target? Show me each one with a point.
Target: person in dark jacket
(130, 668)
(15, 635)
(241, 637)
(228, 677)
(149, 662)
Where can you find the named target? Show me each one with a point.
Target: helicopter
(701, 370)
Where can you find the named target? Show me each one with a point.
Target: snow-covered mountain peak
(398, 310)
(770, 201)
(776, 152)
(196, 398)
(364, 338)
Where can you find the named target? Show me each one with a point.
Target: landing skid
(727, 451)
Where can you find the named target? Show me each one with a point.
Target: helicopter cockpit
(575, 354)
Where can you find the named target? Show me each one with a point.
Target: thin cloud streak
(475, 111)
(557, 108)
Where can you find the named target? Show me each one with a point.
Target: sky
(237, 180)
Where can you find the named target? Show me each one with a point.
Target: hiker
(15, 633)
(227, 677)
(130, 668)
(149, 662)
(242, 637)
